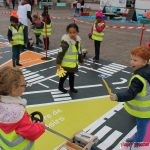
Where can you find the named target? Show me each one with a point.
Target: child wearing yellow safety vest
(17, 131)
(137, 96)
(69, 56)
(97, 34)
(37, 26)
(16, 36)
(47, 29)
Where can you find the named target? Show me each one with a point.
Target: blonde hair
(9, 78)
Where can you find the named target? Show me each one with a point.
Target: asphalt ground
(115, 47)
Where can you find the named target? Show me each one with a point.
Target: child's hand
(113, 96)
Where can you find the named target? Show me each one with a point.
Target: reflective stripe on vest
(17, 35)
(140, 105)
(47, 30)
(37, 31)
(98, 36)
(13, 141)
(70, 59)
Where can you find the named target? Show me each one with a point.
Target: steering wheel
(36, 116)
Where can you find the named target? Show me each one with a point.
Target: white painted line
(123, 80)
(43, 85)
(110, 140)
(126, 72)
(110, 67)
(129, 135)
(88, 86)
(61, 95)
(25, 72)
(105, 71)
(63, 102)
(119, 65)
(94, 126)
(110, 114)
(45, 79)
(62, 99)
(29, 74)
(56, 92)
(43, 69)
(101, 120)
(33, 76)
(76, 75)
(35, 79)
(82, 71)
(52, 67)
(54, 81)
(102, 132)
(24, 69)
(91, 61)
(87, 64)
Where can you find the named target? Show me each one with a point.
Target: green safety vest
(140, 105)
(37, 31)
(17, 35)
(70, 59)
(13, 141)
(47, 28)
(98, 36)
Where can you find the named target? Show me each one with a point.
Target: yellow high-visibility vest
(98, 36)
(13, 141)
(17, 35)
(70, 59)
(47, 29)
(140, 105)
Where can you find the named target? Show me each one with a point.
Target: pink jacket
(13, 116)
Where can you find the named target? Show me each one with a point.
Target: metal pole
(142, 33)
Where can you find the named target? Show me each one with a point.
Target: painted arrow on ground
(123, 80)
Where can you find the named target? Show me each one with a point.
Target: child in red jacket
(14, 119)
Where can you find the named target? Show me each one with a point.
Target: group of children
(17, 33)
(12, 83)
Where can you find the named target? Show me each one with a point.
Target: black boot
(62, 90)
(74, 90)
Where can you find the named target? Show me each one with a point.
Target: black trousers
(97, 49)
(13, 4)
(71, 80)
(46, 43)
(16, 54)
(38, 40)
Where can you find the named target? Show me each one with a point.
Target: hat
(14, 14)
(99, 14)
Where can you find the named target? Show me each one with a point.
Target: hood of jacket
(12, 109)
(144, 72)
(67, 38)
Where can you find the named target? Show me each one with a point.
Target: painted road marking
(72, 113)
(27, 58)
(102, 132)
(36, 79)
(59, 96)
(33, 76)
(110, 140)
(123, 80)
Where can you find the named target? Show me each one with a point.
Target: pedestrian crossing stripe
(69, 118)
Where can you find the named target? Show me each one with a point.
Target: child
(68, 56)
(37, 26)
(16, 36)
(46, 32)
(97, 34)
(15, 123)
(137, 97)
